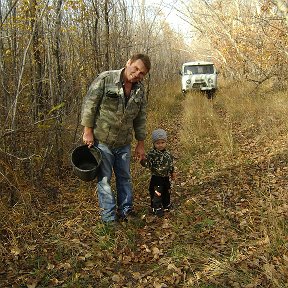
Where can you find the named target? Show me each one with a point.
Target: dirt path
(224, 224)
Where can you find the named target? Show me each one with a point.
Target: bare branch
(8, 13)
(14, 105)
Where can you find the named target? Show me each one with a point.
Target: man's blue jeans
(117, 160)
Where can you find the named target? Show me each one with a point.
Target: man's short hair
(144, 58)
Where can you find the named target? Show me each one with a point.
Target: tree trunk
(3, 76)
(107, 35)
(38, 97)
(59, 91)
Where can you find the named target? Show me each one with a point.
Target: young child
(160, 163)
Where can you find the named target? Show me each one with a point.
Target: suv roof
(198, 63)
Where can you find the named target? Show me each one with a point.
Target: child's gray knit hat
(159, 134)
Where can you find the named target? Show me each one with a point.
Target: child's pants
(162, 185)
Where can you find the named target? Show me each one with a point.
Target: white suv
(199, 75)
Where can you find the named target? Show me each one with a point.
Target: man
(114, 106)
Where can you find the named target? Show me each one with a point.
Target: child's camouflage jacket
(160, 163)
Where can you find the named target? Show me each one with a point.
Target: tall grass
(236, 115)
(163, 104)
(235, 153)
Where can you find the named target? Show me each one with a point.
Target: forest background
(50, 51)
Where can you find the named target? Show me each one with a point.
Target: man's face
(135, 71)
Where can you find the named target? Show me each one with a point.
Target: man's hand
(139, 153)
(88, 137)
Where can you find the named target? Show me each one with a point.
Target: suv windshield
(198, 69)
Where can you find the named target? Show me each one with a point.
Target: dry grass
(234, 116)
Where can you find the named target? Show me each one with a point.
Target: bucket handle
(96, 153)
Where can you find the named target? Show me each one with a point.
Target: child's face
(160, 144)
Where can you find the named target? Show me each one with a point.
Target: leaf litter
(228, 228)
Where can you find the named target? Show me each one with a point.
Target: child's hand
(158, 190)
(157, 193)
(143, 162)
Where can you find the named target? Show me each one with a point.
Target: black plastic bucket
(86, 162)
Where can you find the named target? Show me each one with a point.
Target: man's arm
(92, 102)
(90, 109)
(139, 123)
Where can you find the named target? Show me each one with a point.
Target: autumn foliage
(228, 227)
